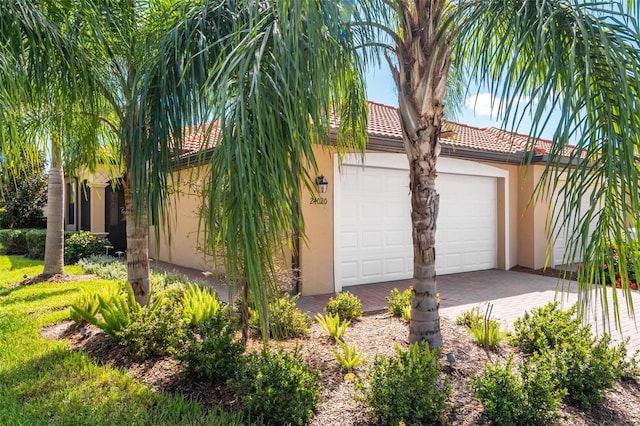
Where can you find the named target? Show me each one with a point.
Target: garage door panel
(371, 239)
(394, 266)
(379, 244)
(349, 240)
(394, 239)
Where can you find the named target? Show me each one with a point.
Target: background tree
(23, 195)
(43, 106)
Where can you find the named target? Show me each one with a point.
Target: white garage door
(375, 224)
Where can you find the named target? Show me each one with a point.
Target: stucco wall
(532, 241)
(514, 214)
(316, 251)
(183, 248)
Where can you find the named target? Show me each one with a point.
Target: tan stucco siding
(185, 247)
(532, 214)
(514, 215)
(316, 251)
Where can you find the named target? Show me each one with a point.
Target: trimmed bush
(346, 305)
(585, 365)
(213, 353)
(398, 301)
(156, 329)
(545, 327)
(106, 267)
(278, 388)
(285, 319)
(83, 244)
(530, 398)
(14, 241)
(36, 240)
(407, 389)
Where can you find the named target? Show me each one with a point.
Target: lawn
(42, 382)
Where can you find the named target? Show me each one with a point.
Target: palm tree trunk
(137, 248)
(54, 243)
(425, 319)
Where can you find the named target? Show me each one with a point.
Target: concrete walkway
(511, 293)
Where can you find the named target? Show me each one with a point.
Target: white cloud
(483, 104)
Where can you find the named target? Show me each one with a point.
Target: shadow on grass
(63, 387)
(40, 295)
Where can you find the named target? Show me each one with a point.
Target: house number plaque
(318, 201)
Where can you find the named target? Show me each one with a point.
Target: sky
(476, 112)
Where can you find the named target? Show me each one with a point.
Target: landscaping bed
(375, 335)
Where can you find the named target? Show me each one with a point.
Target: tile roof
(384, 123)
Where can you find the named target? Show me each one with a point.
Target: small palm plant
(350, 357)
(332, 325)
(200, 305)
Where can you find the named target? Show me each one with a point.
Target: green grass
(42, 383)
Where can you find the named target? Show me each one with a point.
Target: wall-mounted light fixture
(322, 184)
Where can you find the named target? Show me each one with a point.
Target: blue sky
(476, 112)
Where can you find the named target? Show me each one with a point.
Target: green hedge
(31, 243)
(14, 241)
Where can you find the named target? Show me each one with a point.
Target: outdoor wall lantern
(322, 184)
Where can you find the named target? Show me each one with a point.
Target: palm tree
(39, 108)
(164, 67)
(270, 72)
(579, 58)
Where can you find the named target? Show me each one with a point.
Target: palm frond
(581, 59)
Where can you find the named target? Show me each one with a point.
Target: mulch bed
(376, 334)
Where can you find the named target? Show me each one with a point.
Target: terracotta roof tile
(384, 123)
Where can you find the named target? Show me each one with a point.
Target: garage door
(375, 224)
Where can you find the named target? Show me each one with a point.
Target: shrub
(545, 327)
(533, 397)
(346, 305)
(83, 244)
(610, 271)
(36, 239)
(89, 303)
(407, 388)
(23, 194)
(106, 267)
(349, 358)
(285, 319)
(213, 353)
(279, 388)
(115, 309)
(487, 333)
(397, 301)
(585, 365)
(466, 318)
(406, 313)
(332, 325)
(14, 241)
(156, 329)
(146, 331)
(200, 304)
(162, 280)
